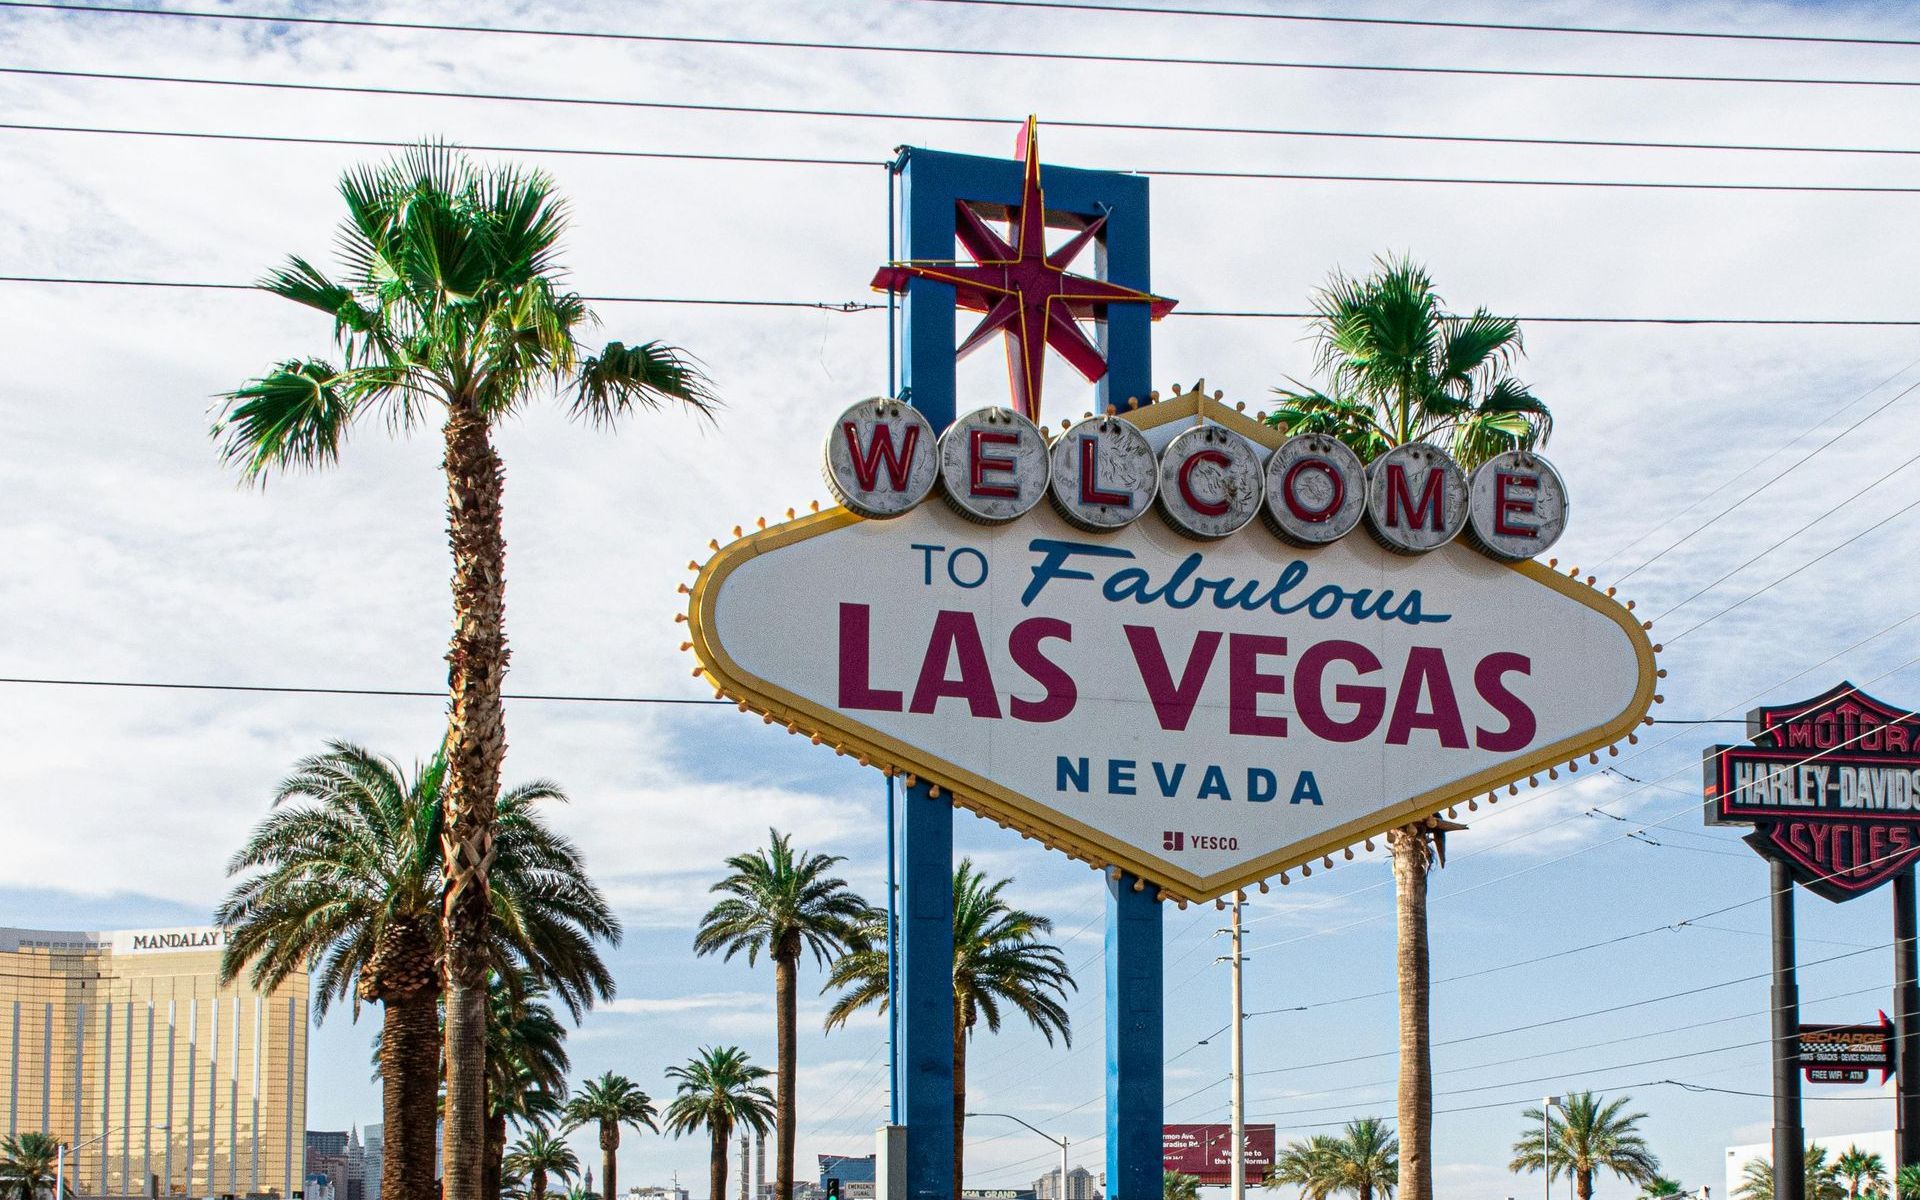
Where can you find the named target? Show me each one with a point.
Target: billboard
(1847, 1053)
(1203, 699)
(1203, 1151)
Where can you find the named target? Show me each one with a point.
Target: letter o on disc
(993, 465)
(1518, 506)
(1104, 473)
(1210, 482)
(880, 459)
(1316, 490)
(1416, 498)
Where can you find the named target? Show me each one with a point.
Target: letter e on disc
(1519, 506)
(1104, 473)
(881, 458)
(1210, 482)
(1316, 490)
(993, 465)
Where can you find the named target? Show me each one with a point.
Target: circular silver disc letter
(880, 459)
(1416, 498)
(1210, 482)
(993, 465)
(1316, 490)
(1104, 473)
(1519, 506)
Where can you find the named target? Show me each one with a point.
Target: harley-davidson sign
(1196, 702)
(1831, 786)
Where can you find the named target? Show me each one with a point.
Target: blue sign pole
(932, 183)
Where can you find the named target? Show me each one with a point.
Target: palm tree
(452, 304)
(1906, 1182)
(998, 960)
(1592, 1135)
(1399, 369)
(27, 1163)
(526, 1068)
(782, 902)
(610, 1102)
(346, 881)
(1177, 1186)
(1660, 1188)
(1822, 1177)
(717, 1090)
(539, 1155)
(1863, 1172)
(1364, 1159)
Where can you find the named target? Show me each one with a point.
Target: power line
(664, 105)
(278, 689)
(923, 50)
(855, 306)
(1413, 23)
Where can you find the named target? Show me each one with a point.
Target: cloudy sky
(132, 555)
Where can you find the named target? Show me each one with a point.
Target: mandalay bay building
(163, 1082)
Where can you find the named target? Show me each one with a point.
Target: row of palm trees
(1852, 1175)
(786, 904)
(1593, 1134)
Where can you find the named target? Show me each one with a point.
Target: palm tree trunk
(537, 1184)
(717, 1162)
(1409, 848)
(609, 1157)
(960, 1096)
(496, 1150)
(476, 742)
(409, 1096)
(1583, 1184)
(785, 967)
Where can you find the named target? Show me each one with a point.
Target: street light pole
(1546, 1142)
(1237, 1178)
(1060, 1142)
(60, 1163)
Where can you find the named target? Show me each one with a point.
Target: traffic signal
(833, 1189)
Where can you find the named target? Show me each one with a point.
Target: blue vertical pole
(1135, 1042)
(1135, 996)
(923, 1053)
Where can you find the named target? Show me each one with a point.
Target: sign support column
(1789, 1137)
(1136, 1037)
(1906, 1012)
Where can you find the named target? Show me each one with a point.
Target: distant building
(662, 1192)
(328, 1158)
(200, 1087)
(374, 1139)
(1081, 1185)
(855, 1173)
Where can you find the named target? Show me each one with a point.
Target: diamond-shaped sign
(1201, 713)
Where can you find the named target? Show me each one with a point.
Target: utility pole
(1237, 1177)
(1546, 1141)
(1789, 1136)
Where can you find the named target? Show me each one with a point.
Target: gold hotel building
(161, 1081)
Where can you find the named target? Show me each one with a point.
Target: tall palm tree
(1864, 1173)
(452, 306)
(608, 1103)
(999, 960)
(782, 902)
(1363, 1159)
(1399, 369)
(345, 881)
(1906, 1182)
(718, 1090)
(27, 1163)
(540, 1155)
(1822, 1177)
(1592, 1135)
(1175, 1185)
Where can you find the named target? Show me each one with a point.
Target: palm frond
(296, 415)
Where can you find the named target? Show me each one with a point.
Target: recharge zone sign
(1151, 642)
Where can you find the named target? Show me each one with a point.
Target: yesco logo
(1180, 839)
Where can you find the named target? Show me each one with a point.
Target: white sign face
(1203, 714)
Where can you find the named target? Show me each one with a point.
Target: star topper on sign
(1026, 293)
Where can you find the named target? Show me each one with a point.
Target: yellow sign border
(1014, 810)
